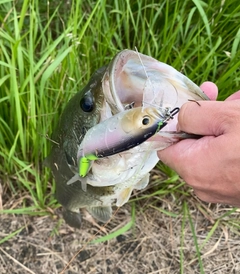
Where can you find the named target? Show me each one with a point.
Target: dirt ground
(155, 244)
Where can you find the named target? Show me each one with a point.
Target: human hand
(211, 164)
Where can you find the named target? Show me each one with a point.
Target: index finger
(210, 89)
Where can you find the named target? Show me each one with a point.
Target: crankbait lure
(121, 132)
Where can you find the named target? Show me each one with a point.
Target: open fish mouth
(135, 79)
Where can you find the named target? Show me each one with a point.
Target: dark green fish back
(80, 114)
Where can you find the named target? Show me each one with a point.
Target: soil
(156, 243)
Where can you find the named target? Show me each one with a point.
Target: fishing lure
(121, 132)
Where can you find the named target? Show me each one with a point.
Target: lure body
(121, 132)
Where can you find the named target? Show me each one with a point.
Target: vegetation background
(48, 51)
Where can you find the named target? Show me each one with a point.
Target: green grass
(49, 49)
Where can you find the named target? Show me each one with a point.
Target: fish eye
(145, 120)
(87, 102)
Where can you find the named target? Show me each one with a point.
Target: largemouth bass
(131, 80)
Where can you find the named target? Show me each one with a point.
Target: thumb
(207, 117)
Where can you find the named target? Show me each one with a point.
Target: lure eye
(145, 120)
(87, 102)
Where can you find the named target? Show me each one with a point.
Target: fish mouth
(134, 79)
